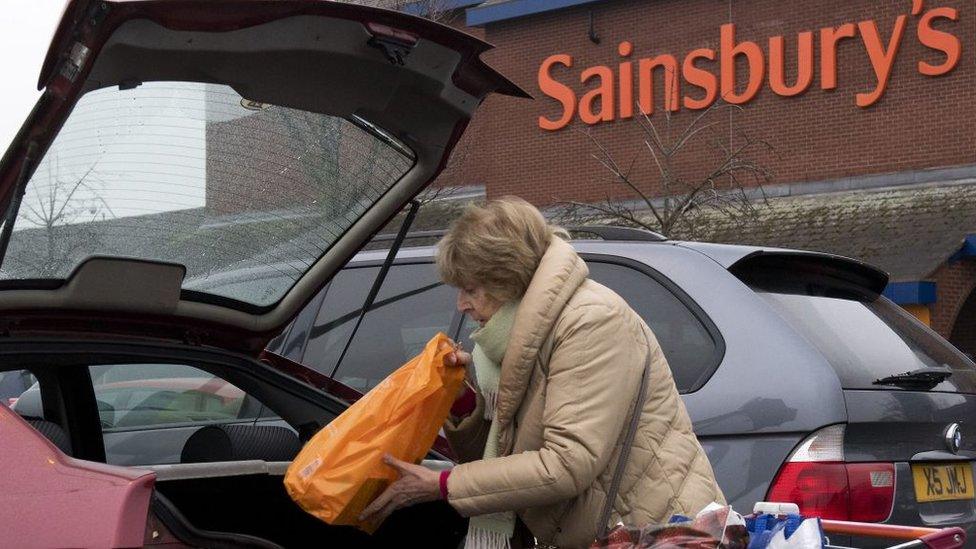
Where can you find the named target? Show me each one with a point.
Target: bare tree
(728, 183)
(441, 11)
(446, 12)
(61, 201)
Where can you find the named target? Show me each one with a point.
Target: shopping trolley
(906, 537)
(909, 537)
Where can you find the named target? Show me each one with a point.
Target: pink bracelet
(443, 483)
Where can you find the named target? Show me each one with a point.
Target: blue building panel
(492, 13)
(968, 249)
(916, 292)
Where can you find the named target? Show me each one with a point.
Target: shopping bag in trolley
(716, 526)
(340, 470)
(790, 531)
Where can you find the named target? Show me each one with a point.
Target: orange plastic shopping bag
(340, 470)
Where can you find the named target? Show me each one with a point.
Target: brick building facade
(897, 109)
(862, 111)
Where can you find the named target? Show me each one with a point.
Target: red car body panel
(49, 499)
(85, 27)
(79, 503)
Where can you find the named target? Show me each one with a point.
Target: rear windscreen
(245, 195)
(868, 340)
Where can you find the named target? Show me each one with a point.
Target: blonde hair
(496, 245)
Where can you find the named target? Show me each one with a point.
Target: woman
(558, 362)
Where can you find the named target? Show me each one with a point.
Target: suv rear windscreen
(866, 340)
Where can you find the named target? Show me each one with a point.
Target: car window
(336, 317)
(691, 350)
(277, 344)
(868, 340)
(411, 307)
(13, 385)
(245, 195)
(148, 411)
(296, 335)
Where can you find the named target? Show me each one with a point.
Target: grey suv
(804, 383)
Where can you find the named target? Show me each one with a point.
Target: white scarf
(492, 531)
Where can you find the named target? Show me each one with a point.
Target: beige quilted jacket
(568, 386)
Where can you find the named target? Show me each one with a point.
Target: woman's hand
(416, 484)
(458, 358)
(461, 359)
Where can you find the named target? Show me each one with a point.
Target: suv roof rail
(410, 235)
(613, 232)
(605, 232)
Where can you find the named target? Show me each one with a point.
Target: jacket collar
(559, 275)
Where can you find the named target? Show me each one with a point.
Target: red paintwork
(85, 23)
(310, 376)
(48, 499)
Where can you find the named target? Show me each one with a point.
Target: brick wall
(963, 333)
(920, 122)
(955, 282)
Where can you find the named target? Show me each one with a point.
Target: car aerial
(176, 139)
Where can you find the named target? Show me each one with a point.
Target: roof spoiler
(811, 273)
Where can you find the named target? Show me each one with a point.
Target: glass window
(337, 316)
(690, 349)
(293, 345)
(19, 390)
(412, 306)
(277, 344)
(148, 411)
(246, 195)
(151, 395)
(866, 341)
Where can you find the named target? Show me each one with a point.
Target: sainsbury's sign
(613, 94)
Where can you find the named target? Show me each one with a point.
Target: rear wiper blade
(922, 379)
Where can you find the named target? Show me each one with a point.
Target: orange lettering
(700, 78)
(881, 60)
(828, 53)
(939, 41)
(804, 67)
(646, 83)
(730, 50)
(603, 92)
(558, 91)
(626, 81)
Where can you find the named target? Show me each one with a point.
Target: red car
(178, 140)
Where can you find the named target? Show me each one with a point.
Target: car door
(149, 411)
(411, 307)
(690, 341)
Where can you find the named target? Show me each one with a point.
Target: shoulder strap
(603, 527)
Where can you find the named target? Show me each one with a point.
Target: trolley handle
(917, 536)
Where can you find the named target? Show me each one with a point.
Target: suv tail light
(816, 478)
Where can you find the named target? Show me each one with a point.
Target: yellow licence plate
(943, 481)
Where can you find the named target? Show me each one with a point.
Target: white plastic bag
(808, 536)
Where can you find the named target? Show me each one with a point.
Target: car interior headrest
(240, 442)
